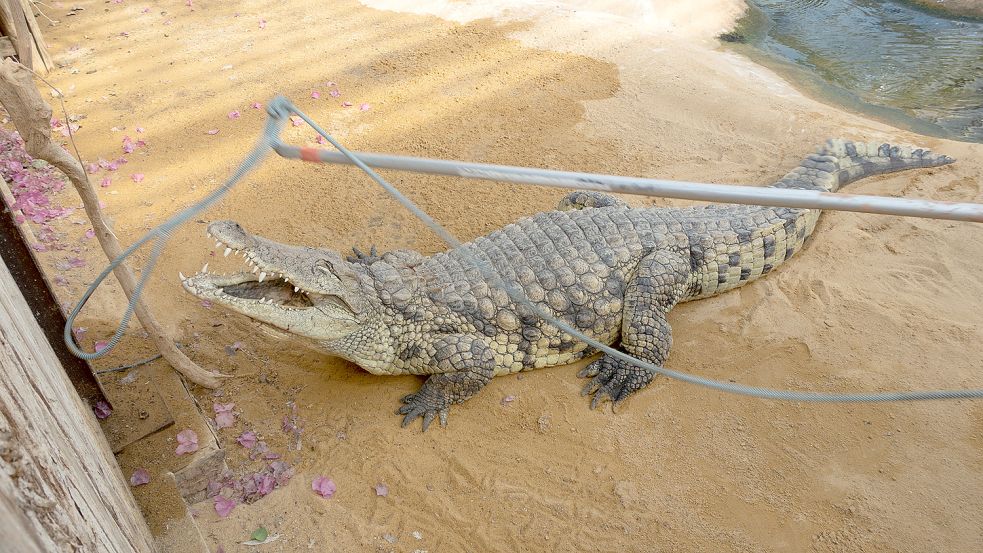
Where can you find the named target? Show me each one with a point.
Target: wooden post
(60, 486)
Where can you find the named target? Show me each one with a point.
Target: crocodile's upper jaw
(285, 297)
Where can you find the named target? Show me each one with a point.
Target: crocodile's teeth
(262, 276)
(218, 243)
(204, 268)
(285, 279)
(255, 269)
(180, 274)
(227, 252)
(296, 289)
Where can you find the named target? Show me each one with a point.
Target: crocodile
(611, 271)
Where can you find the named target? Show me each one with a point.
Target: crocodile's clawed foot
(363, 258)
(613, 379)
(423, 404)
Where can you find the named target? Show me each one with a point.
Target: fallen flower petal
(211, 131)
(139, 129)
(187, 442)
(262, 23)
(234, 114)
(364, 107)
(106, 181)
(316, 95)
(140, 477)
(256, 105)
(381, 490)
(346, 104)
(335, 93)
(247, 439)
(92, 168)
(225, 420)
(137, 177)
(323, 486)
(90, 234)
(79, 332)
(224, 505)
(296, 121)
(102, 409)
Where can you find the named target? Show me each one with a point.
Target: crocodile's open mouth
(268, 293)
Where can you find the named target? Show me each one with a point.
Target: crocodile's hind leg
(464, 365)
(583, 199)
(659, 283)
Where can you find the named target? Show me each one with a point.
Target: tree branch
(32, 117)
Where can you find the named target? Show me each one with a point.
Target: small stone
(390, 538)
(416, 534)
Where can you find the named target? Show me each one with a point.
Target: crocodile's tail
(840, 162)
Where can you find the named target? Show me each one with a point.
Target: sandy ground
(873, 303)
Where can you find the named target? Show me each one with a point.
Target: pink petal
(296, 121)
(346, 104)
(234, 114)
(137, 177)
(90, 234)
(106, 181)
(79, 333)
(262, 23)
(315, 95)
(223, 407)
(187, 442)
(224, 505)
(140, 477)
(92, 168)
(139, 129)
(212, 131)
(145, 10)
(206, 304)
(102, 410)
(330, 84)
(247, 439)
(323, 486)
(320, 139)
(507, 400)
(335, 93)
(256, 105)
(101, 345)
(225, 420)
(364, 107)
(381, 490)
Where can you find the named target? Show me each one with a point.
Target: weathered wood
(39, 48)
(22, 262)
(6, 48)
(60, 487)
(15, 26)
(32, 117)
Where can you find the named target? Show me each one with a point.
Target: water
(899, 64)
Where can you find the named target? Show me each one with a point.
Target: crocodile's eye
(322, 267)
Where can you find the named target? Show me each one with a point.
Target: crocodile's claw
(362, 257)
(613, 379)
(423, 404)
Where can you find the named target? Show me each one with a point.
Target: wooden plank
(23, 264)
(23, 43)
(39, 47)
(56, 468)
(6, 48)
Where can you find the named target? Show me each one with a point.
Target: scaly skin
(611, 271)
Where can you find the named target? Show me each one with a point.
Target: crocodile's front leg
(659, 283)
(464, 365)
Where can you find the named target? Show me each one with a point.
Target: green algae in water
(914, 69)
